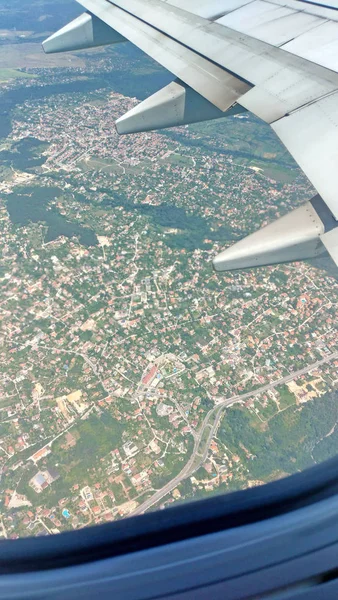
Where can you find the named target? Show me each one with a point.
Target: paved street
(212, 421)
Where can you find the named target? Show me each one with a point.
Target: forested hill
(295, 439)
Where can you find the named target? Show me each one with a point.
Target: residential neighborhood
(131, 374)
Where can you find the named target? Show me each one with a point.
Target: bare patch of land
(30, 55)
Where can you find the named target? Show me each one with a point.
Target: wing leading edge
(219, 52)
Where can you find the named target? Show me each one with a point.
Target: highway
(211, 421)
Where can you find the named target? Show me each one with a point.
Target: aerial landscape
(132, 376)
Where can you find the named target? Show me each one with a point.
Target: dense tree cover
(96, 437)
(327, 447)
(279, 277)
(291, 437)
(208, 140)
(193, 228)
(32, 205)
(24, 154)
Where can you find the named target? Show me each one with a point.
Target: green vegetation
(6, 74)
(287, 398)
(33, 204)
(268, 411)
(79, 316)
(96, 437)
(100, 164)
(286, 445)
(179, 160)
(327, 447)
(279, 174)
(174, 463)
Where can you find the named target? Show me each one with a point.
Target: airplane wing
(275, 58)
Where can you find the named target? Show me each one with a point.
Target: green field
(287, 398)
(179, 160)
(279, 174)
(6, 74)
(100, 164)
(106, 165)
(273, 171)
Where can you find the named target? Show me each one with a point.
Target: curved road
(201, 446)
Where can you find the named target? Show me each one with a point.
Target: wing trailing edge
(310, 135)
(86, 31)
(174, 105)
(221, 71)
(330, 241)
(306, 232)
(204, 76)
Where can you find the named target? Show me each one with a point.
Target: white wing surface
(275, 58)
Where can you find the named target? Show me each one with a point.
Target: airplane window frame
(178, 523)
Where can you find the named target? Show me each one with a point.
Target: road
(211, 421)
